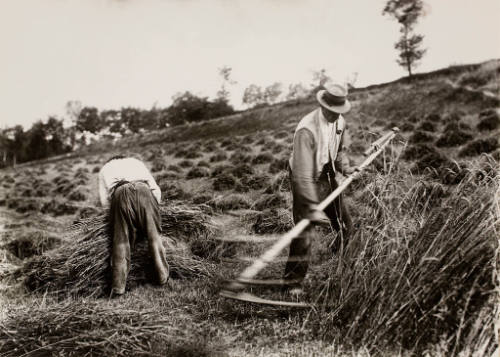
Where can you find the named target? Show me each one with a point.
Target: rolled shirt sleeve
(303, 180)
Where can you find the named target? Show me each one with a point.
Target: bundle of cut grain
(81, 266)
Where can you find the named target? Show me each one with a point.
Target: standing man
(316, 158)
(127, 187)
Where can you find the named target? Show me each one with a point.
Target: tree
(272, 93)
(225, 74)
(56, 136)
(320, 78)
(89, 120)
(187, 107)
(37, 147)
(297, 91)
(253, 95)
(132, 118)
(407, 13)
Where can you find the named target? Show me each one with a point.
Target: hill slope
(416, 277)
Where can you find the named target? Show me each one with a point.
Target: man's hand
(317, 216)
(346, 171)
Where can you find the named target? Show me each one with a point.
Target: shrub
(64, 187)
(218, 156)
(248, 139)
(420, 137)
(201, 198)
(96, 169)
(239, 157)
(224, 182)
(433, 160)
(158, 165)
(263, 158)
(242, 170)
(406, 126)
(203, 163)
(185, 163)
(193, 154)
(271, 221)
(23, 205)
(77, 194)
(87, 212)
(32, 243)
(278, 148)
(9, 179)
(172, 191)
(263, 141)
(278, 165)
(427, 125)
(479, 146)
(221, 169)
(174, 168)
(434, 117)
(452, 173)
(58, 208)
(281, 134)
(275, 200)
(280, 184)
(230, 202)
(489, 120)
(453, 138)
(255, 182)
(197, 172)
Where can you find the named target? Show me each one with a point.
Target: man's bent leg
(120, 256)
(149, 220)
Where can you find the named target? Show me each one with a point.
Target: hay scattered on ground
(270, 221)
(94, 329)
(30, 243)
(82, 265)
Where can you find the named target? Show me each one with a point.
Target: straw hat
(334, 98)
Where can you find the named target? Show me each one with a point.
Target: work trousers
(340, 221)
(134, 212)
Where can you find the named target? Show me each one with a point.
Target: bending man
(127, 187)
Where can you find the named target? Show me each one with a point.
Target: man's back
(124, 169)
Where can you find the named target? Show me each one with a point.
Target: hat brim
(340, 109)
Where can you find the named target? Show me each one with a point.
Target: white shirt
(128, 169)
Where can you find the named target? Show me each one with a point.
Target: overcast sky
(111, 53)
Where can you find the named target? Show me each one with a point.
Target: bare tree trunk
(407, 51)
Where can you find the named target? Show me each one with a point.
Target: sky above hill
(114, 53)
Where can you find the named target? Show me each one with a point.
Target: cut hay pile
(417, 276)
(82, 265)
(269, 221)
(94, 329)
(31, 243)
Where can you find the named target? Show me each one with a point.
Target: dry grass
(94, 329)
(81, 266)
(418, 272)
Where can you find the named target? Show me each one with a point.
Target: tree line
(56, 136)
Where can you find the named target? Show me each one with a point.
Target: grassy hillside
(418, 277)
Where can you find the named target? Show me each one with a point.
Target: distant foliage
(188, 107)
